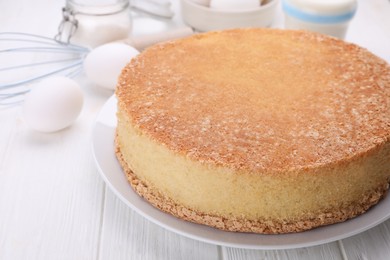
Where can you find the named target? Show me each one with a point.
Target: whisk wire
(11, 95)
(40, 76)
(36, 64)
(11, 98)
(74, 72)
(38, 39)
(61, 58)
(42, 49)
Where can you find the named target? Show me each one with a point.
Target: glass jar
(330, 17)
(95, 22)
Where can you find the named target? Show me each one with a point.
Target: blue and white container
(330, 17)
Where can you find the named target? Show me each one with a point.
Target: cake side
(154, 197)
(249, 202)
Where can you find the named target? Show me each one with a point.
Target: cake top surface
(260, 99)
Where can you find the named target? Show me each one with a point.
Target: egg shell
(52, 104)
(104, 64)
(234, 5)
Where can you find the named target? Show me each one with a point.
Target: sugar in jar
(95, 22)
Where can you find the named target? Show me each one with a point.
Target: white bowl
(203, 18)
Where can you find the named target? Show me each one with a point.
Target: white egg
(234, 4)
(104, 64)
(52, 104)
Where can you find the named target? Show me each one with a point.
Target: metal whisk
(52, 57)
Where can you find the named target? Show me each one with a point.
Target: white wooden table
(54, 204)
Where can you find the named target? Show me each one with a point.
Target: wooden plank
(50, 192)
(126, 235)
(41, 17)
(328, 251)
(372, 244)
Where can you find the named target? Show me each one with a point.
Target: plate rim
(109, 109)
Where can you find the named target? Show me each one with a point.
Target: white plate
(103, 149)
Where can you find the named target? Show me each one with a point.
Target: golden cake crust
(166, 204)
(285, 117)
